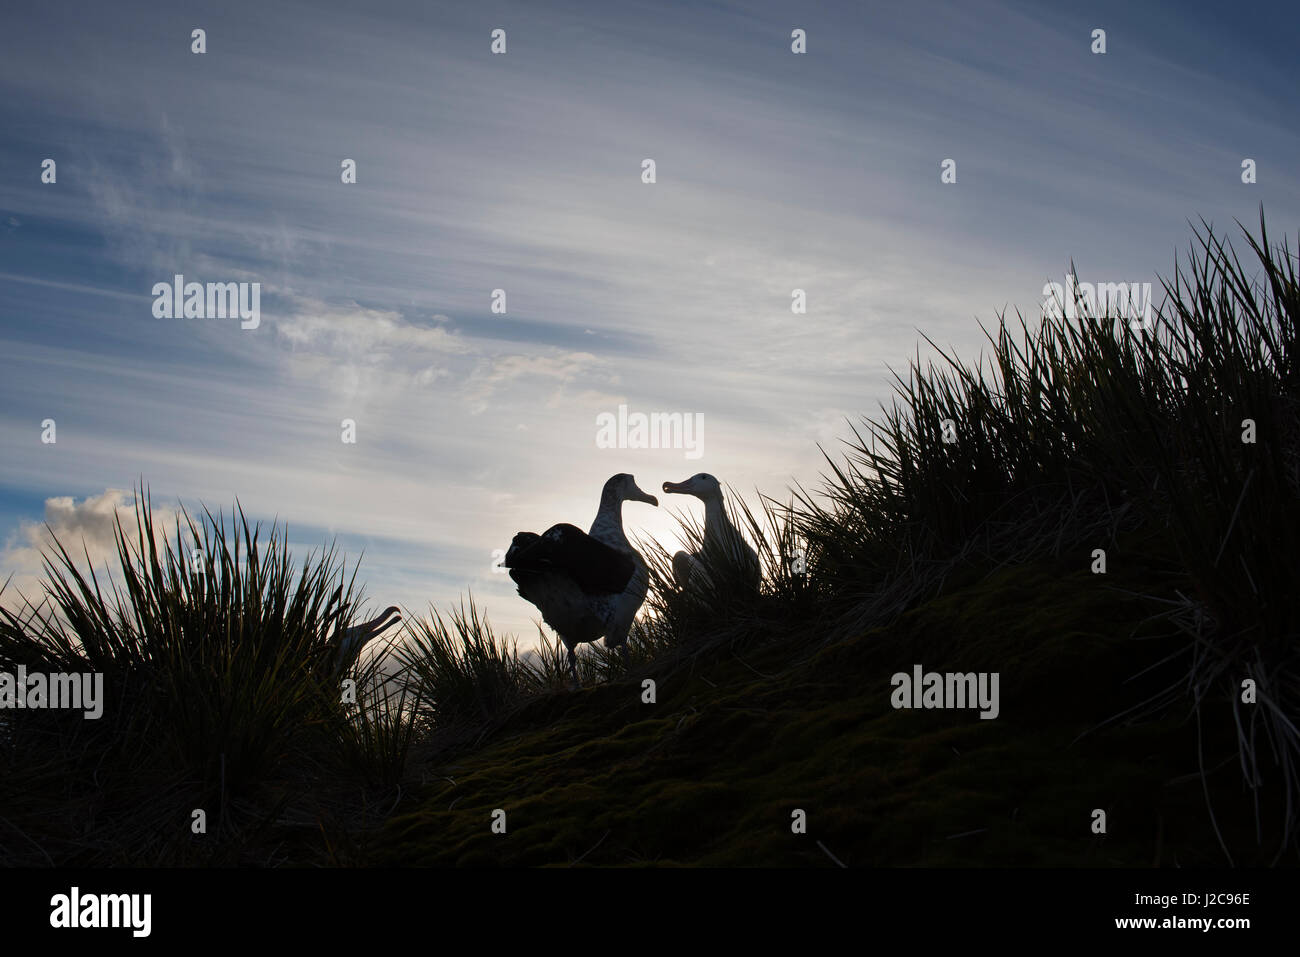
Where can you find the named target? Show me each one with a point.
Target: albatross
(723, 544)
(585, 584)
(348, 642)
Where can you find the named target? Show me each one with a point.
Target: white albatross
(585, 584)
(723, 544)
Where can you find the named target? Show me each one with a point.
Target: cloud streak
(522, 172)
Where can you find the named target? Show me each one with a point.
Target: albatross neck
(716, 523)
(608, 526)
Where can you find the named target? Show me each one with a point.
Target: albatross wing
(566, 549)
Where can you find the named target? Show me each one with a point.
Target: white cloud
(562, 369)
(366, 354)
(478, 172)
(350, 331)
(84, 528)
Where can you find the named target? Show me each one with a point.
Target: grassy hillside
(1105, 515)
(741, 735)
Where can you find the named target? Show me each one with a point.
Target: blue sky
(522, 172)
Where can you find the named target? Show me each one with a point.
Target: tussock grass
(460, 670)
(723, 598)
(1074, 431)
(1068, 436)
(217, 662)
(377, 731)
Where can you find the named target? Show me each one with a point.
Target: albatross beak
(640, 496)
(676, 487)
(381, 623)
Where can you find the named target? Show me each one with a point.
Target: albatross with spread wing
(586, 584)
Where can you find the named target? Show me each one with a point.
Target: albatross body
(586, 584)
(723, 543)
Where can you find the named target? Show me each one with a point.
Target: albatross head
(623, 488)
(703, 486)
(349, 642)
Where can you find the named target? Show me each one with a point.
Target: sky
(523, 171)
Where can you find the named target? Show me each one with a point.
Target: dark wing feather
(595, 567)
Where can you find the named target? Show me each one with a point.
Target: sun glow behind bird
(475, 413)
(641, 521)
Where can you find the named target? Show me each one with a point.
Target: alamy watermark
(32, 690)
(1122, 300)
(179, 299)
(75, 909)
(933, 689)
(656, 430)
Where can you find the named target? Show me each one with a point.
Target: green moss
(711, 773)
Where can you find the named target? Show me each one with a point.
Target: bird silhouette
(586, 584)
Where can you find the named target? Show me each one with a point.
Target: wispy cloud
(522, 172)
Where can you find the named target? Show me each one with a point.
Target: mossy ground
(743, 735)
